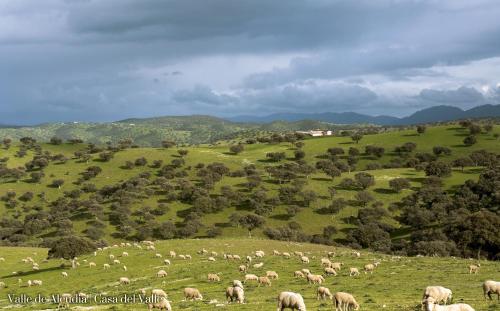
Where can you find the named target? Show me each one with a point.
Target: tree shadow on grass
(31, 272)
(384, 191)
(283, 217)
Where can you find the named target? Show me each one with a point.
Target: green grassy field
(311, 221)
(397, 284)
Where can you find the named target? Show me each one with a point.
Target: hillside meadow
(396, 285)
(310, 218)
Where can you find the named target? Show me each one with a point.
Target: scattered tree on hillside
(421, 129)
(398, 184)
(236, 149)
(251, 222)
(470, 140)
(356, 137)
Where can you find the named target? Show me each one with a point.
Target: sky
(104, 60)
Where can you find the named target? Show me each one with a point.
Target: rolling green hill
(147, 132)
(130, 196)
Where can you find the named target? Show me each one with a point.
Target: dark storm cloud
(102, 60)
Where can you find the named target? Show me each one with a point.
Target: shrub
(69, 247)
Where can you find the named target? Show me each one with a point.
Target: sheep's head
(356, 306)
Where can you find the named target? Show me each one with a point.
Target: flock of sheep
(435, 298)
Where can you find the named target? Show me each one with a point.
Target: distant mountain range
(199, 129)
(428, 115)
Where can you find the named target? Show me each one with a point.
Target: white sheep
(237, 283)
(125, 254)
(191, 293)
(286, 255)
(235, 292)
(211, 258)
(163, 304)
(491, 287)
(353, 271)
(272, 275)
(36, 282)
(323, 293)
(64, 274)
(124, 281)
(172, 254)
(336, 265)
(212, 277)
(431, 305)
(161, 274)
(251, 277)
(290, 300)
(166, 261)
(2, 284)
(258, 265)
(298, 274)
(91, 264)
(106, 266)
(158, 255)
(116, 262)
(438, 294)
(474, 269)
(242, 268)
(344, 301)
(330, 271)
(369, 268)
(264, 280)
(325, 262)
(158, 292)
(315, 278)
(304, 259)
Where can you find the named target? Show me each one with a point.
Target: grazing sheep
(258, 265)
(182, 257)
(191, 293)
(157, 255)
(124, 268)
(249, 259)
(304, 259)
(315, 279)
(163, 304)
(356, 254)
(106, 266)
(325, 262)
(438, 294)
(91, 264)
(272, 275)
(264, 280)
(286, 255)
(276, 253)
(353, 271)
(344, 301)
(2, 284)
(64, 274)
(172, 254)
(242, 268)
(116, 262)
(330, 271)
(298, 254)
(158, 292)
(259, 254)
(251, 277)
(306, 271)
(289, 300)
(2, 259)
(237, 283)
(211, 259)
(336, 265)
(323, 293)
(369, 268)
(214, 254)
(212, 277)
(36, 283)
(298, 274)
(124, 281)
(64, 300)
(491, 287)
(166, 261)
(331, 254)
(111, 257)
(125, 254)
(161, 274)
(236, 257)
(431, 305)
(188, 257)
(235, 292)
(474, 269)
